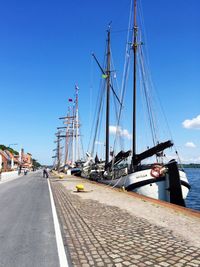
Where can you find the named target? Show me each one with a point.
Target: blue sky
(46, 48)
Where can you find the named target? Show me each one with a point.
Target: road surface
(27, 236)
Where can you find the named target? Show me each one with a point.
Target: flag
(70, 100)
(104, 76)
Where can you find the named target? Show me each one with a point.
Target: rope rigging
(99, 110)
(146, 87)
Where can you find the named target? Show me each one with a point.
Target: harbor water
(193, 198)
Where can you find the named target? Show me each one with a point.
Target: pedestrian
(19, 169)
(45, 173)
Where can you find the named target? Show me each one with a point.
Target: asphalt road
(27, 236)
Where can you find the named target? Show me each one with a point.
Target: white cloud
(191, 160)
(192, 124)
(122, 132)
(190, 144)
(112, 129)
(196, 160)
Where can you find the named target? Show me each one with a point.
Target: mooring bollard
(79, 187)
(61, 176)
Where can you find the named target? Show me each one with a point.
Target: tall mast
(134, 46)
(77, 123)
(58, 151)
(107, 97)
(67, 137)
(73, 135)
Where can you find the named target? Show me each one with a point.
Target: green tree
(36, 164)
(3, 147)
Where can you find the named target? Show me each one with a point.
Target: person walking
(19, 170)
(45, 173)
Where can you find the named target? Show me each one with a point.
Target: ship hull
(143, 183)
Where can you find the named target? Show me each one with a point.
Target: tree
(14, 152)
(36, 164)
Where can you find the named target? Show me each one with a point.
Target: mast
(73, 135)
(58, 151)
(77, 124)
(107, 98)
(134, 47)
(67, 138)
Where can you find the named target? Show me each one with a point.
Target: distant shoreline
(190, 165)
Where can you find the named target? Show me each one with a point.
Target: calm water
(193, 198)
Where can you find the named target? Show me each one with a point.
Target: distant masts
(72, 133)
(58, 150)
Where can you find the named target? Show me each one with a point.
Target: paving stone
(126, 263)
(99, 260)
(164, 264)
(179, 265)
(83, 261)
(118, 260)
(91, 263)
(148, 263)
(100, 264)
(196, 261)
(192, 264)
(113, 256)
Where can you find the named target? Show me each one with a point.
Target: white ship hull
(143, 183)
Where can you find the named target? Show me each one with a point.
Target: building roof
(4, 154)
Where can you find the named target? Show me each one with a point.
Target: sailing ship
(159, 180)
(70, 162)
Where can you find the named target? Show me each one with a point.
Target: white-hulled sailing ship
(159, 179)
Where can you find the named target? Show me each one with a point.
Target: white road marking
(60, 246)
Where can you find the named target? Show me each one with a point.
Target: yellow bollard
(80, 187)
(123, 189)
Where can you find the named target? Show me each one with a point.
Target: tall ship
(146, 172)
(69, 149)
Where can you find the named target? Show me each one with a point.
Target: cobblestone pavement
(101, 235)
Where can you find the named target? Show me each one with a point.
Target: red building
(26, 159)
(5, 161)
(10, 162)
